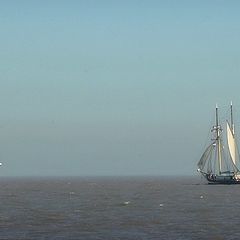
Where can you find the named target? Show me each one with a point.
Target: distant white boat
(220, 165)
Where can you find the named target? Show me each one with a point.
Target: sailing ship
(219, 165)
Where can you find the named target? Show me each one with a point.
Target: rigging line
(206, 142)
(236, 145)
(227, 114)
(231, 163)
(225, 159)
(215, 162)
(238, 156)
(235, 141)
(208, 159)
(225, 156)
(211, 156)
(205, 158)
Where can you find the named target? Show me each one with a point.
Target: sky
(114, 87)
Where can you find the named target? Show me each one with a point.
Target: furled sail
(231, 143)
(205, 156)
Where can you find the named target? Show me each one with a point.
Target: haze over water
(113, 87)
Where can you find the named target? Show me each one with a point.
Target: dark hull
(224, 182)
(222, 179)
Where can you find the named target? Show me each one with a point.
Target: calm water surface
(118, 208)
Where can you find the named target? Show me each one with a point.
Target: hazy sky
(113, 87)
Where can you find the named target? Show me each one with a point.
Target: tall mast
(232, 124)
(219, 156)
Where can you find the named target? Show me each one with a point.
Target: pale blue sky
(113, 87)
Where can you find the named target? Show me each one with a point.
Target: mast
(231, 138)
(232, 124)
(218, 142)
(216, 115)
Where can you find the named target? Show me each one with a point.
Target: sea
(114, 208)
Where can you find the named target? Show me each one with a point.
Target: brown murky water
(118, 208)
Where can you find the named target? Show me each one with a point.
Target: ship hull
(224, 183)
(222, 179)
(227, 182)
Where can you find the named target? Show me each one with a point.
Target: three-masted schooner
(219, 165)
